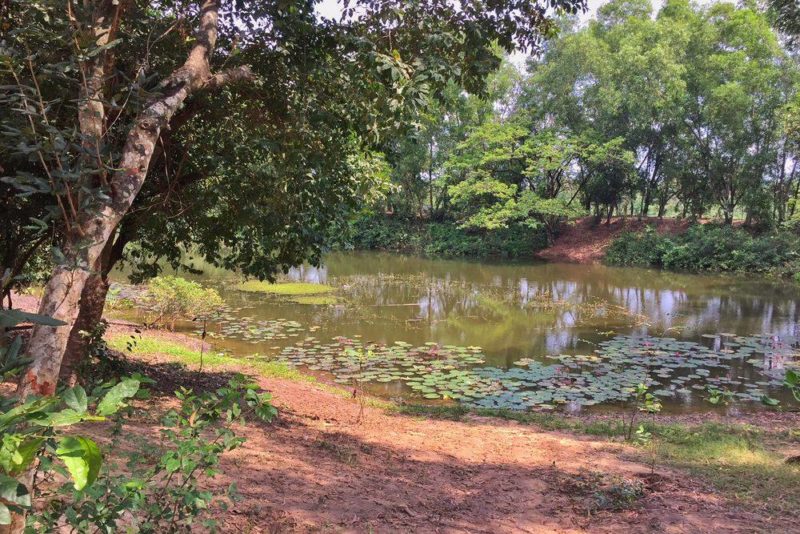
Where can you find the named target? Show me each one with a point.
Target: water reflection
(519, 310)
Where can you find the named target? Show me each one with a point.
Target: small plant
(642, 401)
(792, 381)
(619, 495)
(718, 396)
(161, 490)
(171, 298)
(36, 435)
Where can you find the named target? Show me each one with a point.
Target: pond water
(522, 335)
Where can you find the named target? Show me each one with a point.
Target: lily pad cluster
(255, 331)
(352, 359)
(747, 366)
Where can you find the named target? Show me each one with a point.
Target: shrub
(709, 248)
(443, 238)
(170, 298)
(642, 249)
(161, 489)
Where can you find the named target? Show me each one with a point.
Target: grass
(736, 459)
(149, 345)
(152, 345)
(292, 289)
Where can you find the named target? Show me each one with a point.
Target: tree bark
(63, 291)
(93, 298)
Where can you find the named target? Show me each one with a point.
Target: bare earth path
(583, 241)
(320, 469)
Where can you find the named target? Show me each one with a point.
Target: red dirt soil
(585, 241)
(326, 466)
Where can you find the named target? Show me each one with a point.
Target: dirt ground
(321, 468)
(331, 464)
(583, 241)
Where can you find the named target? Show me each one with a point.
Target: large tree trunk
(63, 291)
(93, 299)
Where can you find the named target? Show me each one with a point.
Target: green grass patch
(316, 300)
(735, 459)
(293, 289)
(182, 354)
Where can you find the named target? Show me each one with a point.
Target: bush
(709, 248)
(642, 249)
(161, 488)
(170, 298)
(443, 238)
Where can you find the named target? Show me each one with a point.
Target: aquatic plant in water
(666, 366)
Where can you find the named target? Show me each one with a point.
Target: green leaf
(82, 458)
(76, 399)
(26, 452)
(13, 491)
(792, 378)
(9, 318)
(65, 417)
(5, 515)
(769, 401)
(115, 398)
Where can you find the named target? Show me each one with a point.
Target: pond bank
(585, 241)
(332, 462)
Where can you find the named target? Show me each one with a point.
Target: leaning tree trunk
(63, 291)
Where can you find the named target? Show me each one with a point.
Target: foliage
(443, 239)
(642, 401)
(644, 249)
(718, 396)
(269, 163)
(709, 248)
(671, 88)
(37, 431)
(161, 490)
(171, 298)
(793, 383)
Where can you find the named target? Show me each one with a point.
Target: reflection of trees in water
(543, 308)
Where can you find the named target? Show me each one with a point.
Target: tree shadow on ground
(167, 377)
(310, 479)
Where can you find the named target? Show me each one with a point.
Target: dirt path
(583, 241)
(320, 469)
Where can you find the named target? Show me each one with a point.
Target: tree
(97, 89)
(695, 94)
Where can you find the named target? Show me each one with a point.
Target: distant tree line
(691, 111)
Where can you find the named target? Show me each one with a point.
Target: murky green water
(532, 319)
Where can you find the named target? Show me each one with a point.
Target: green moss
(286, 289)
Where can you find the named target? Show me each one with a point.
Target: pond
(522, 335)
